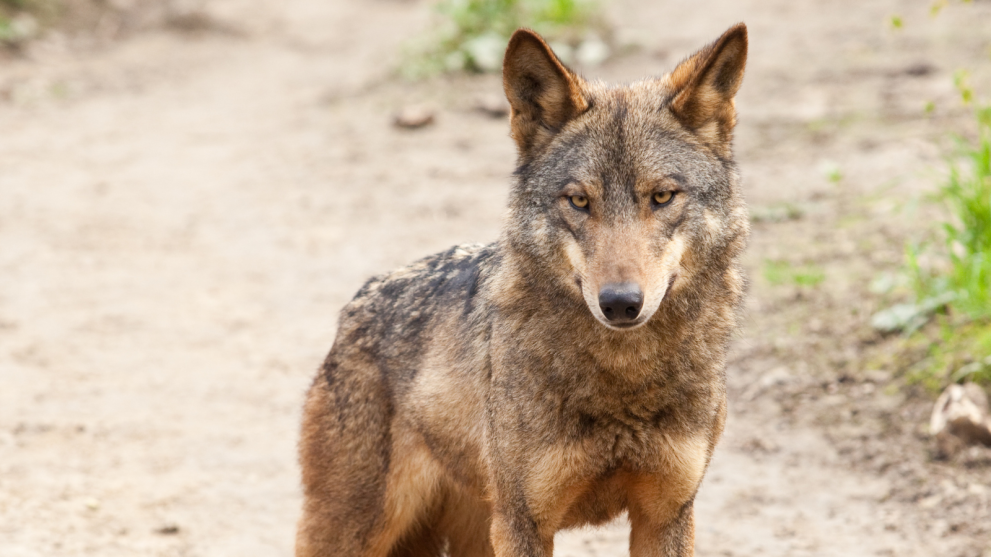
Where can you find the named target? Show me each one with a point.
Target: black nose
(621, 302)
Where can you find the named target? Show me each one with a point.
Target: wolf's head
(627, 195)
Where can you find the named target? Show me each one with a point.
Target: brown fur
(479, 401)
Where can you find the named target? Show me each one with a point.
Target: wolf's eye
(579, 201)
(663, 197)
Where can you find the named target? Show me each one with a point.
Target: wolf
(484, 398)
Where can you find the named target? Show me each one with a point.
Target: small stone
(919, 69)
(168, 530)
(495, 106)
(760, 445)
(777, 376)
(960, 418)
(412, 117)
(92, 504)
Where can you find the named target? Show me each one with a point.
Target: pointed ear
(543, 94)
(705, 85)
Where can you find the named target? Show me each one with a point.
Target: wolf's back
(394, 316)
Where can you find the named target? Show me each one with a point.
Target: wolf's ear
(705, 85)
(543, 94)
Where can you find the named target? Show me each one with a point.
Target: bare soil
(184, 210)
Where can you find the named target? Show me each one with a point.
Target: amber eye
(663, 197)
(579, 201)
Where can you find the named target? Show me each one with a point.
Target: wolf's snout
(621, 302)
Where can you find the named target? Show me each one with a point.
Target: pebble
(168, 530)
(414, 116)
(960, 418)
(495, 106)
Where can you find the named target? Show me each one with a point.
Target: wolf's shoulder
(432, 275)
(415, 292)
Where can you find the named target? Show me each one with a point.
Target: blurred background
(190, 191)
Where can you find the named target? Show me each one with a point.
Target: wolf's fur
(478, 401)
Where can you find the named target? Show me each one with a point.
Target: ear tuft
(705, 84)
(543, 93)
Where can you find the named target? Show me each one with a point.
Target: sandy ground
(182, 215)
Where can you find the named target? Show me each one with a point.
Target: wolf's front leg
(655, 534)
(533, 492)
(515, 533)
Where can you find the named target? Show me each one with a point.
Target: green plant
(833, 172)
(953, 352)
(472, 34)
(21, 20)
(966, 234)
(778, 273)
(950, 276)
(955, 285)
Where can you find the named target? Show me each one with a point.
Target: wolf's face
(628, 193)
(630, 206)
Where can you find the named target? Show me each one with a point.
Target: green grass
(954, 352)
(833, 173)
(946, 325)
(779, 273)
(955, 285)
(31, 13)
(6, 31)
(964, 269)
(472, 34)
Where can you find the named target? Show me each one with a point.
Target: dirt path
(181, 217)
